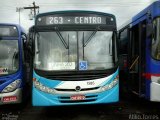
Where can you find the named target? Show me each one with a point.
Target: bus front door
(137, 58)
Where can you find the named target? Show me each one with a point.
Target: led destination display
(74, 20)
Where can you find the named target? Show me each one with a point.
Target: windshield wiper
(68, 47)
(15, 54)
(90, 37)
(83, 45)
(61, 38)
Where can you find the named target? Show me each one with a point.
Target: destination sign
(77, 20)
(8, 31)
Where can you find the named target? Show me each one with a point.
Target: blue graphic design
(83, 65)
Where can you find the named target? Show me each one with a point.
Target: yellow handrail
(136, 60)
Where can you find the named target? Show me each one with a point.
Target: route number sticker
(62, 65)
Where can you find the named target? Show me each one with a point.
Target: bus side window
(155, 47)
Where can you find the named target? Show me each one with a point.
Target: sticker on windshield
(3, 71)
(83, 65)
(62, 65)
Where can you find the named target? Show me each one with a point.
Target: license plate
(77, 97)
(9, 99)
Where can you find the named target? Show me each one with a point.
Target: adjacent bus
(139, 46)
(74, 58)
(12, 40)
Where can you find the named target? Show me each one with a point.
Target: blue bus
(139, 47)
(12, 44)
(74, 58)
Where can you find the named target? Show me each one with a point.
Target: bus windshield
(74, 50)
(9, 59)
(156, 39)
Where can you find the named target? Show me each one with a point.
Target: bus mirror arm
(29, 48)
(149, 30)
(24, 36)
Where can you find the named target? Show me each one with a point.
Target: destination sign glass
(8, 31)
(74, 20)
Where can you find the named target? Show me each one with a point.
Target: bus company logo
(78, 88)
(3, 70)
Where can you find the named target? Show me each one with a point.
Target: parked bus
(139, 46)
(75, 58)
(12, 41)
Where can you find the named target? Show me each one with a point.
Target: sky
(124, 10)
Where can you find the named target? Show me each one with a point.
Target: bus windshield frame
(93, 31)
(9, 50)
(10, 53)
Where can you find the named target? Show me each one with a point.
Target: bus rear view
(75, 58)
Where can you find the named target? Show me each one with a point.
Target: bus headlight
(11, 87)
(43, 88)
(110, 85)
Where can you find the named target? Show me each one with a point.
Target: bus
(12, 44)
(74, 58)
(139, 51)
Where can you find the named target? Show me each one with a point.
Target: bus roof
(153, 10)
(75, 11)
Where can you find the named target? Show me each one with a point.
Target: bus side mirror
(28, 44)
(29, 47)
(24, 36)
(24, 39)
(149, 30)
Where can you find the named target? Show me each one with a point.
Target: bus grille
(66, 99)
(73, 90)
(74, 77)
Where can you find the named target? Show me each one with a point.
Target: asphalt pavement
(133, 108)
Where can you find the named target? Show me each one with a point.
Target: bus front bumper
(155, 95)
(40, 98)
(11, 97)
